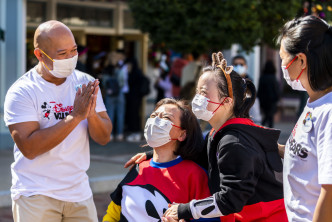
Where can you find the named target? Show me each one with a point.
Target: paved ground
(106, 169)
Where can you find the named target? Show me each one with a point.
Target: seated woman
(170, 176)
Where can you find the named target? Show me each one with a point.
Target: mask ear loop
(47, 57)
(291, 62)
(297, 79)
(176, 127)
(222, 103)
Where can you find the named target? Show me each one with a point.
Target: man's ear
(303, 58)
(182, 136)
(38, 54)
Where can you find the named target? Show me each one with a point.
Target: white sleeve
(19, 107)
(205, 208)
(324, 151)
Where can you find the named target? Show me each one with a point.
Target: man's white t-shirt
(308, 159)
(61, 172)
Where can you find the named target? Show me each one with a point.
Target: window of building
(36, 11)
(128, 20)
(85, 16)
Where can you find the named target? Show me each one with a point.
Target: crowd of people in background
(176, 75)
(123, 85)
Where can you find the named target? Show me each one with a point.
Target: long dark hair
(244, 91)
(313, 37)
(193, 144)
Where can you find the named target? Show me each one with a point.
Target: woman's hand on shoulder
(138, 158)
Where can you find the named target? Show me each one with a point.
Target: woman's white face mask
(199, 107)
(156, 131)
(62, 68)
(295, 84)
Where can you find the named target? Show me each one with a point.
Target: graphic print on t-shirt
(296, 149)
(144, 203)
(56, 110)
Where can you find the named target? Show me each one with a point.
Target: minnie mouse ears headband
(227, 71)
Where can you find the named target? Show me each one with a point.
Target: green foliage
(203, 25)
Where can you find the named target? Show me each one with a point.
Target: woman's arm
(237, 185)
(281, 149)
(323, 210)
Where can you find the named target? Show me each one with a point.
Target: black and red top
(242, 162)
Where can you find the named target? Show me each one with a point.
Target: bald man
(51, 111)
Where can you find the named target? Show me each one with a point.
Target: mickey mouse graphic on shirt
(143, 203)
(46, 110)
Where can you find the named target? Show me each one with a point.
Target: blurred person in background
(268, 93)
(98, 64)
(134, 101)
(240, 66)
(82, 58)
(175, 75)
(189, 77)
(163, 83)
(115, 81)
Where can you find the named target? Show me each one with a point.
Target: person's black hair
(239, 57)
(193, 144)
(313, 37)
(269, 68)
(120, 51)
(134, 64)
(195, 55)
(244, 91)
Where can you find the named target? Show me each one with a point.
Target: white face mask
(199, 107)
(62, 68)
(240, 69)
(295, 84)
(156, 131)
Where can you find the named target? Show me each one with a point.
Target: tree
(202, 25)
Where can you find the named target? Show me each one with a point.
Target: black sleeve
(149, 154)
(184, 211)
(239, 170)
